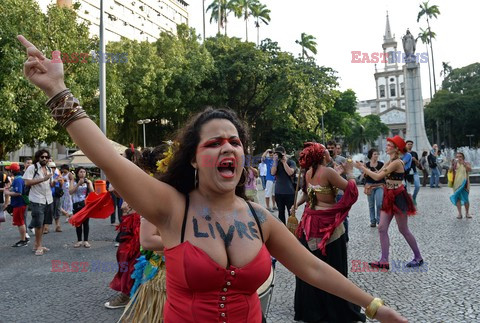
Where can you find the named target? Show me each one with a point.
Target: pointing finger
(31, 49)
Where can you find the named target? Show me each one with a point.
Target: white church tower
(390, 85)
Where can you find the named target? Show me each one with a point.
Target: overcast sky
(343, 26)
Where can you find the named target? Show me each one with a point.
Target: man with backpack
(38, 176)
(18, 203)
(411, 173)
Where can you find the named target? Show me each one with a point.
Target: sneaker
(27, 237)
(21, 243)
(117, 244)
(373, 225)
(32, 230)
(275, 208)
(121, 300)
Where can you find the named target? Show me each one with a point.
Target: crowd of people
(197, 242)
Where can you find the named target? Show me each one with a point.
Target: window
(402, 88)
(392, 79)
(382, 91)
(392, 89)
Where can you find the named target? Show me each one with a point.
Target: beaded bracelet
(65, 108)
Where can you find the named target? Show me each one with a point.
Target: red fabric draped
(322, 223)
(98, 206)
(389, 206)
(127, 253)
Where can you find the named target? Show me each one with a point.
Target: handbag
(57, 191)
(450, 178)
(368, 188)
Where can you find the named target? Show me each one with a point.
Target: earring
(195, 181)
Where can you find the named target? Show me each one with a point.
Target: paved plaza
(447, 290)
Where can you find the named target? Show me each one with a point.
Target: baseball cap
(14, 167)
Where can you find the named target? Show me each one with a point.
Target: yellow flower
(162, 165)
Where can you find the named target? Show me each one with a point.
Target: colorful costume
(322, 233)
(461, 185)
(148, 294)
(128, 251)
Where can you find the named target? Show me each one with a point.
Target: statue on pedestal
(409, 43)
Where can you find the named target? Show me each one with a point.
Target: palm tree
(429, 12)
(446, 69)
(262, 14)
(203, 13)
(425, 36)
(219, 12)
(243, 8)
(307, 42)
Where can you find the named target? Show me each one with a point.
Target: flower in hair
(162, 164)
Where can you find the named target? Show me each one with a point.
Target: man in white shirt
(38, 176)
(262, 167)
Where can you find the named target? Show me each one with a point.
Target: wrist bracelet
(65, 108)
(350, 176)
(373, 307)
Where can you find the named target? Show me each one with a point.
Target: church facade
(389, 104)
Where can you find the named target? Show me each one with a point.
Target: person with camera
(57, 193)
(267, 158)
(38, 177)
(79, 189)
(283, 169)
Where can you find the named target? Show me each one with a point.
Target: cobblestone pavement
(448, 290)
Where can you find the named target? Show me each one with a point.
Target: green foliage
(456, 107)
(24, 117)
(279, 96)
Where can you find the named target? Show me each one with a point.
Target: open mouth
(226, 167)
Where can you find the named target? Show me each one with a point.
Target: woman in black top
(373, 188)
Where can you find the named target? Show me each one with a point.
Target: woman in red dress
(218, 245)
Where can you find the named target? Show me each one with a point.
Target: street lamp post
(144, 122)
(470, 138)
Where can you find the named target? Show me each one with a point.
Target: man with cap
(412, 173)
(16, 192)
(57, 192)
(283, 169)
(38, 176)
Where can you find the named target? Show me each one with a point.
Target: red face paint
(218, 142)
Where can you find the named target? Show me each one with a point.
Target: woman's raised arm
(139, 189)
(285, 248)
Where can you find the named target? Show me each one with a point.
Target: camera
(280, 155)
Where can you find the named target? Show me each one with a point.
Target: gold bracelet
(373, 307)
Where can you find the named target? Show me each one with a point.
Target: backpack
(35, 173)
(24, 192)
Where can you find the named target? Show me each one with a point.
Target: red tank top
(200, 290)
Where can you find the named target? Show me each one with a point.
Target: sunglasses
(44, 157)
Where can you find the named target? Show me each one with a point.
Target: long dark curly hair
(180, 173)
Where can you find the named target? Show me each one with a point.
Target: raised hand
(41, 71)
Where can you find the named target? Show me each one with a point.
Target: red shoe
(380, 265)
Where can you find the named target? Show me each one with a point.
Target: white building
(390, 89)
(134, 19)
